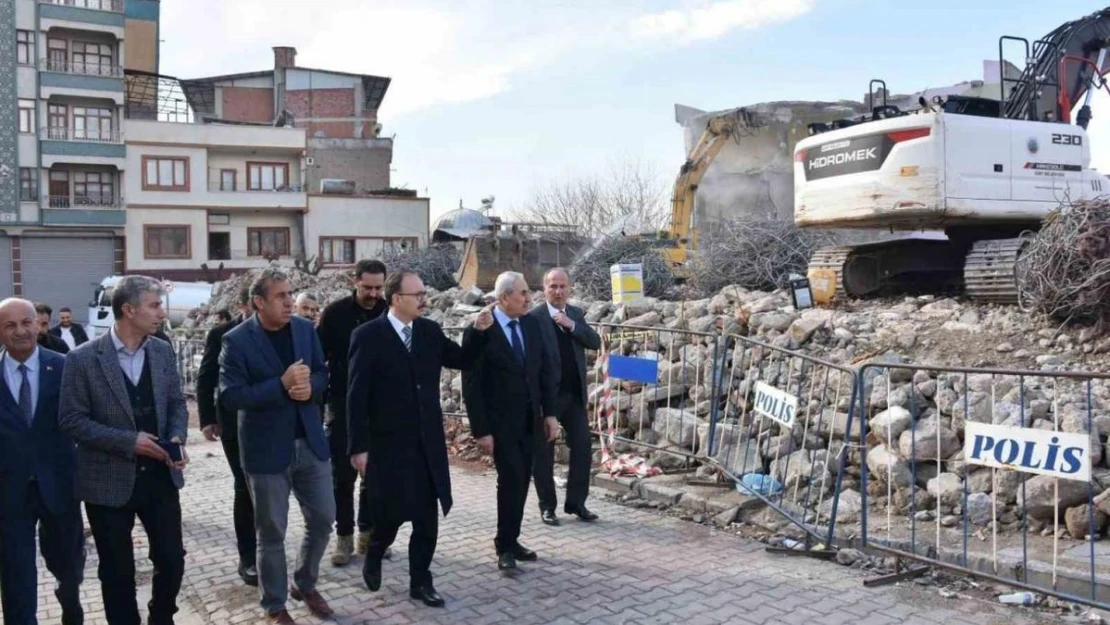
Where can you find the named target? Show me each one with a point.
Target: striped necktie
(407, 331)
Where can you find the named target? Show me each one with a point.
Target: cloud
(716, 19)
(436, 52)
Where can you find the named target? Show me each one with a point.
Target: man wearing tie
(568, 336)
(510, 398)
(396, 425)
(37, 473)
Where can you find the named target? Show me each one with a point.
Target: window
(92, 58)
(57, 55)
(28, 185)
(93, 188)
(267, 176)
(24, 47)
(57, 120)
(335, 251)
(227, 179)
(165, 173)
(58, 190)
(26, 116)
(219, 246)
(166, 241)
(264, 241)
(92, 124)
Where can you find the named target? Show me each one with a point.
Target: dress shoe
(428, 595)
(344, 549)
(548, 517)
(372, 573)
(315, 602)
(521, 553)
(249, 574)
(281, 617)
(506, 561)
(581, 512)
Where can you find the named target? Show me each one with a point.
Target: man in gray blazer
(121, 403)
(566, 332)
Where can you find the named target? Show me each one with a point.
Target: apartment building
(62, 157)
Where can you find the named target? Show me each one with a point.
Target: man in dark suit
(123, 406)
(396, 425)
(264, 376)
(37, 473)
(567, 335)
(510, 396)
(45, 338)
(218, 422)
(337, 322)
(71, 333)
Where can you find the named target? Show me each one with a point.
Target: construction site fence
(992, 473)
(188, 352)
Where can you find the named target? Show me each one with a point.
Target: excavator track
(989, 271)
(831, 258)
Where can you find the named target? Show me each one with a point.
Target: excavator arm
(717, 132)
(1061, 71)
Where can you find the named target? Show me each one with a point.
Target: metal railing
(189, 353)
(64, 66)
(84, 202)
(81, 135)
(241, 187)
(115, 6)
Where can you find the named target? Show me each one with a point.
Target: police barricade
(653, 388)
(784, 433)
(189, 353)
(998, 474)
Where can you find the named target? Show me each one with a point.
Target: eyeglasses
(420, 295)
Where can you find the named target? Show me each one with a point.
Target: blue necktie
(407, 331)
(25, 396)
(518, 347)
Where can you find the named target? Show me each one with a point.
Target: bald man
(306, 306)
(37, 474)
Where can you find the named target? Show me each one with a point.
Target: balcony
(98, 12)
(65, 210)
(58, 76)
(72, 145)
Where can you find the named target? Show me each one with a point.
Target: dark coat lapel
(109, 363)
(50, 377)
(7, 401)
(264, 344)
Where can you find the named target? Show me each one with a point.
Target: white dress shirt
(15, 379)
(130, 361)
(399, 326)
(67, 336)
(554, 311)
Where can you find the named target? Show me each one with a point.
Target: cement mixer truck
(178, 300)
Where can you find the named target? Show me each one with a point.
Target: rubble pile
(755, 254)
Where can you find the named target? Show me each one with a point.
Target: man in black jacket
(510, 396)
(218, 422)
(72, 333)
(45, 338)
(338, 320)
(396, 425)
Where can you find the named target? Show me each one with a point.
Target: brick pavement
(632, 566)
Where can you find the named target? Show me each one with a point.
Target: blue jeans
(310, 480)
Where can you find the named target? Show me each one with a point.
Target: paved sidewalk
(632, 566)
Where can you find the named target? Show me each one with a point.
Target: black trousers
(513, 459)
(344, 477)
(246, 541)
(62, 544)
(422, 542)
(572, 416)
(156, 504)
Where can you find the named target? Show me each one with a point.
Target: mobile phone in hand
(172, 448)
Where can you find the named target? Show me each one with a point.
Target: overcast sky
(494, 97)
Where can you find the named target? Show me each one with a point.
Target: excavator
(981, 171)
(682, 237)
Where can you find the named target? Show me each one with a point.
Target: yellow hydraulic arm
(719, 130)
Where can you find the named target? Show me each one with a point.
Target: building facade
(62, 155)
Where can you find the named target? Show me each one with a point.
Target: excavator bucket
(487, 255)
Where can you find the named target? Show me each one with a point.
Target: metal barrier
(189, 353)
(973, 470)
(784, 433)
(669, 406)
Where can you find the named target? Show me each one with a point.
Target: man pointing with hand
(272, 371)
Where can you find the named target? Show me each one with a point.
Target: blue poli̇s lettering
(1073, 459)
(1053, 451)
(1027, 457)
(983, 444)
(1002, 456)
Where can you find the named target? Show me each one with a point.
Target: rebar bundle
(754, 254)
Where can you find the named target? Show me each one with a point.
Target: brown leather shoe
(314, 601)
(281, 617)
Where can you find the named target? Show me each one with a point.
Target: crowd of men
(304, 404)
